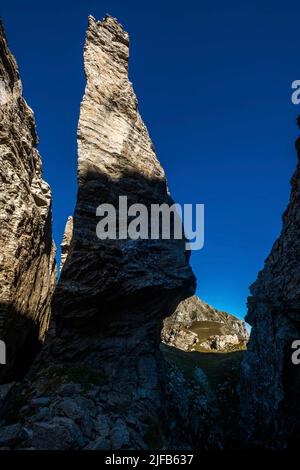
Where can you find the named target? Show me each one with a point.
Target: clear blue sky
(213, 82)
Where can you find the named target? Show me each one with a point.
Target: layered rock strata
(100, 382)
(270, 382)
(66, 242)
(27, 266)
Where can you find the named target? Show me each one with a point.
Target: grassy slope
(219, 367)
(205, 329)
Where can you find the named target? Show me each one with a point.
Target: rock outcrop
(27, 266)
(222, 343)
(100, 382)
(270, 382)
(196, 324)
(66, 242)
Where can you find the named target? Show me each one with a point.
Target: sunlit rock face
(102, 369)
(66, 242)
(27, 252)
(270, 382)
(197, 325)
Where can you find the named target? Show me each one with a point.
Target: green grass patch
(205, 329)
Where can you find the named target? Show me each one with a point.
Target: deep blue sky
(213, 81)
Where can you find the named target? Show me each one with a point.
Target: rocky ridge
(27, 265)
(195, 324)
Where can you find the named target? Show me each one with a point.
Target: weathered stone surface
(113, 294)
(27, 259)
(220, 342)
(66, 242)
(198, 409)
(4, 391)
(270, 383)
(191, 317)
(178, 336)
(117, 291)
(11, 435)
(58, 434)
(116, 158)
(120, 435)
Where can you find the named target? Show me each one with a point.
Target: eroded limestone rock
(113, 294)
(27, 252)
(66, 242)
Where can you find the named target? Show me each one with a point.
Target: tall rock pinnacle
(112, 295)
(116, 158)
(270, 381)
(27, 267)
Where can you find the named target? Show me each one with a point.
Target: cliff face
(270, 382)
(27, 266)
(195, 324)
(102, 371)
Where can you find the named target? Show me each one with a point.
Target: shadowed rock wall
(27, 252)
(270, 382)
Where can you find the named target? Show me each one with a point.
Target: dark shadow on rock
(108, 309)
(223, 373)
(122, 281)
(21, 337)
(218, 366)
